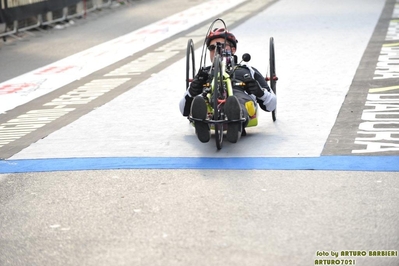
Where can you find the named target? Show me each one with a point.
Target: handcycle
(217, 91)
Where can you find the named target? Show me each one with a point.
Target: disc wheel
(190, 63)
(217, 87)
(273, 76)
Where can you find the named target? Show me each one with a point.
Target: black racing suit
(267, 102)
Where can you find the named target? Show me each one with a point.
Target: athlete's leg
(199, 111)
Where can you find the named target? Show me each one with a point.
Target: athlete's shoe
(233, 111)
(199, 111)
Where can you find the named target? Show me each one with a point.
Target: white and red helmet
(221, 33)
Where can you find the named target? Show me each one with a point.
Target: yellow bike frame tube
(226, 79)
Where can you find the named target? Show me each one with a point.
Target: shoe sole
(233, 112)
(199, 111)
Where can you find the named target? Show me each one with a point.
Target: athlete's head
(223, 37)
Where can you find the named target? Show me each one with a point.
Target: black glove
(253, 87)
(197, 86)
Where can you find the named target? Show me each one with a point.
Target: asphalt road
(191, 217)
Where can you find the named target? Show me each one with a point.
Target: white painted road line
(29, 86)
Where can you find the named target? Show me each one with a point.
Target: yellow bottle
(250, 108)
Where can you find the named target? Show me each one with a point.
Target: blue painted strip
(334, 163)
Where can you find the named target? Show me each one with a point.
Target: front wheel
(217, 94)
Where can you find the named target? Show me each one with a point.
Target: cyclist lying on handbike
(249, 89)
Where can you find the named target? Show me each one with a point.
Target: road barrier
(22, 15)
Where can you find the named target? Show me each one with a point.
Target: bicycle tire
(217, 85)
(273, 76)
(190, 68)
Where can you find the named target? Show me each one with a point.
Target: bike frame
(227, 87)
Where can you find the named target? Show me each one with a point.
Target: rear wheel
(273, 76)
(190, 63)
(217, 94)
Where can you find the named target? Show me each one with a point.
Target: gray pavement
(190, 217)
